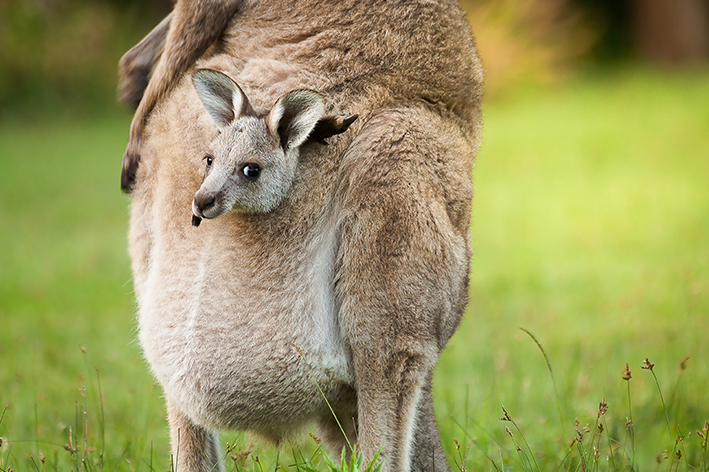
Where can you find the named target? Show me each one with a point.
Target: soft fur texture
(362, 267)
(246, 141)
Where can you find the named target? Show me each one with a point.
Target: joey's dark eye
(251, 171)
(209, 160)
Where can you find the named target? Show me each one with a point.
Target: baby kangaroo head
(251, 163)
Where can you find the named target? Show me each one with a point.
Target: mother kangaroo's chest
(223, 326)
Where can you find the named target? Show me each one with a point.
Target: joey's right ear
(222, 97)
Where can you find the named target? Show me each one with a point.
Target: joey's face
(246, 170)
(251, 163)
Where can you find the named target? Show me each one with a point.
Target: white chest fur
(221, 333)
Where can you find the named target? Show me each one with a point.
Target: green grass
(590, 230)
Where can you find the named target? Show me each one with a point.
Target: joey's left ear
(294, 116)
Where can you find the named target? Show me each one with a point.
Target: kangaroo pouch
(228, 355)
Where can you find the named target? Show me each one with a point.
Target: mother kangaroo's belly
(225, 345)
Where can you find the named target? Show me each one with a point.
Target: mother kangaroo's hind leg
(402, 273)
(194, 448)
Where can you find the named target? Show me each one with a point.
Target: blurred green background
(590, 230)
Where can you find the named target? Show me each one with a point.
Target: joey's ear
(294, 116)
(222, 97)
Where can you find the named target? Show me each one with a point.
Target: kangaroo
(251, 163)
(357, 276)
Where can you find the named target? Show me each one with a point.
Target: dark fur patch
(130, 168)
(330, 126)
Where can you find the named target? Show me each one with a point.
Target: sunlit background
(67, 50)
(590, 231)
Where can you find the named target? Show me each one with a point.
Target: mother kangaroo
(362, 269)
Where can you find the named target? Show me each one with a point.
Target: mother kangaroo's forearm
(193, 27)
(135, 66)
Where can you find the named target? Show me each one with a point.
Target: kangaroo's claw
(130, 168)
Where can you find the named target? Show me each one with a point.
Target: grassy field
(591, 231)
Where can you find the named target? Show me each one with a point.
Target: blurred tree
(543, 39)
(64, 53)
(671, 31)
(610, 19)
(663, 31)
(521, 40)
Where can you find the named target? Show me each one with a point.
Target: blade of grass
(342, 430)
(553, 381)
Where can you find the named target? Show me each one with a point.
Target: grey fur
(270, 145)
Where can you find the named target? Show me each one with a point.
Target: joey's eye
(251, 171)
(209, 160)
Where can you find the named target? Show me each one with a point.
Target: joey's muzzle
(203, 202)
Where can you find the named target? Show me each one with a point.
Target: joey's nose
(204, 202)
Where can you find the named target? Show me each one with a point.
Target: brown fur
(192, 27)
(363, 266)
(135, 66)
(182, 37)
